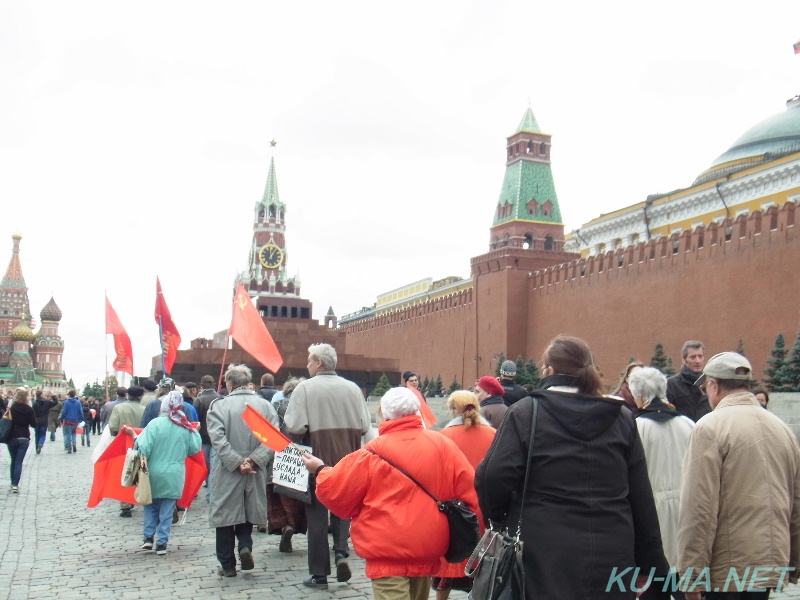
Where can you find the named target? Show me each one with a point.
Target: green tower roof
(271, 189)
(528, 122)
(330, 312)
(525, 181)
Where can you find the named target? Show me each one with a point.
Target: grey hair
(237, 376)
(324, 352)
(648, 383)
(290, 384)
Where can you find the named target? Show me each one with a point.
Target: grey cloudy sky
(134, 137)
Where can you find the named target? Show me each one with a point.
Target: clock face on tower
(270, 255)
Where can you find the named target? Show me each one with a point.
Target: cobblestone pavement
(52, 546)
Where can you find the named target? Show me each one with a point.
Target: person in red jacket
(397, 528)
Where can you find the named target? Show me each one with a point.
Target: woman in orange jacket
(397, 528)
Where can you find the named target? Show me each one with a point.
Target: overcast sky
(134, 137)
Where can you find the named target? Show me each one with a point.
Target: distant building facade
(28, 358)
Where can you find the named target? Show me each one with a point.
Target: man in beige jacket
(739, 523)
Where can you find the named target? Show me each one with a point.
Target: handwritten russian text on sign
(288, 469)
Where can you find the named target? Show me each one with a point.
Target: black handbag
(463, 523)
(5, 427)
(496, 563)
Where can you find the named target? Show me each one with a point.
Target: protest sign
(288, 470)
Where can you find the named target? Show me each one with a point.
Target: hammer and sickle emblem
(242, 300)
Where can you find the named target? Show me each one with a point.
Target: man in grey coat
(239, 494)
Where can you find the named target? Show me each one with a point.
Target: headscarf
(171, 404)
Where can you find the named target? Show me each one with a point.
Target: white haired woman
(665, 435)
(397, 528)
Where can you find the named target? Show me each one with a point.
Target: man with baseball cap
(740, 492)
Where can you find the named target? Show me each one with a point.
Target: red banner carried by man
(170, 338)
(249, 331)
(122, 343)
(266, 432)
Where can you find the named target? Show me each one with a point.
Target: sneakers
(83, 442)
(342, 568)
(246, 559)
(38, 449)
(226, 572)
(286, 539)
(15, 489)
(148, 544)
(126, 513)
(161, 550)
(74, 448)
(317, 582)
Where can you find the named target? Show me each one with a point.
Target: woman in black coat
(23, 420)
(588, 510)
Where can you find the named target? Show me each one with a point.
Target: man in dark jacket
(512, 392)
(202, 403)
(681, 391)
(41, 408)
(70, 416)
(267, 390)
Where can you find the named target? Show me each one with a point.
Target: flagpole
(105, 293)
(224, 356)
(161, 341)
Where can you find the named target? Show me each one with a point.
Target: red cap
(491, 385)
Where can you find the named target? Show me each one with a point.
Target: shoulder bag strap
(528, 466)
(404, 472)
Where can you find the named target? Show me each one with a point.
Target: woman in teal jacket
(165, 443)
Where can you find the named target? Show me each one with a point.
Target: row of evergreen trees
(782, 373)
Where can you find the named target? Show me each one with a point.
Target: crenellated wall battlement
(705, 242)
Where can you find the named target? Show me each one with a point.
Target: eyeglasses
(704, 387)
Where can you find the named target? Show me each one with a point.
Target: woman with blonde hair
(22, 419)
(473, 435)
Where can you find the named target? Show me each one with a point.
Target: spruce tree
(740, 347)
(792, 367)
(670, 370)
(425, 385)
(382, 386)
(532, 371)
(775, 372)
(521, 377)
(500, 360)
(455, 386)
(437, 386)
(659, 360)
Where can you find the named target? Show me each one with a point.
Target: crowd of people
(681, 487)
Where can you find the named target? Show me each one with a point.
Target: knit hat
(509, 367)
(491, 386)
(399, 402)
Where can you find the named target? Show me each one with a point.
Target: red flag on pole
(122, 343)
(266, 432)
(170, 338)
(249, 331)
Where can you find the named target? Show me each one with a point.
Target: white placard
(288, 470)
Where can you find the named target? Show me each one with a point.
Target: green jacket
(165, 446)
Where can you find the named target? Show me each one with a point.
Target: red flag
(266, 432)
(122, 343)
(170, 338)
(249, 331)
(425, 410)
(108, 472)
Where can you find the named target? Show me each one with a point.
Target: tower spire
(13, 274)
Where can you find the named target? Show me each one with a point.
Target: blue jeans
(158, 519)
(41, 435)
(70, 441)
(85, 435)
(211, 457)
(17, 447)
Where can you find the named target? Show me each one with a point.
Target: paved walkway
(52, 546)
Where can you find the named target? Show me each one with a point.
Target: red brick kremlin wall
(694, 285)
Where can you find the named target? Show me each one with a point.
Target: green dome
(772, 138)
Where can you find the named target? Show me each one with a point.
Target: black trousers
(319, 558)
(226, 542)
